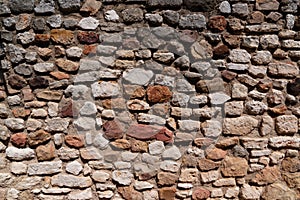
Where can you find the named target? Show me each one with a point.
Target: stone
(189, 125)
(81, 194)
(217, 23)
(16, 81)
(234, 166)
(132, 15)
(38, 137)
(269, 41)
(239, 56)
(113, 130)
(286, 125)
(16, 154)
(100, 176)
(267, 176)
(250, 192)
(239, 91)
(71, 181)
(62, 36)
(67, 65)
(28, 183)
(200, 193)
(91, 6)
(208, 177)
(69, 5)
(257, 17)
(88, 23)
(18, 168)
(45, 7)
(111, 15)
(54, 21)
(255, 107)
(90, 153)
(66, 153)
(19, 7)
(43, 67)
(74, 52)
(75, 141)
(14, 124)
(218, 98)
(211, 128)
(105, 89)
(138, 76)
(240, 9)
(15, 53)
(45, 168)
(192, 21)
(267, 5)
(166, 179)
(26, 37)
(19, 139)
(85, 123)
(278, 191)
(239, 126)
(4, 111)
(290, 21)
(88, 37)
(57, 124)
(45, 152)
(156, 148)
(4, 10)
(74, 167)
(167, 193)
(172, 153)
(171, 17)
(168, 3)
(158, 94)
(215, 154)
(251, 42)
(225, 7)
(262, 57)
(154, 19)
(128, 192)
(122, 177)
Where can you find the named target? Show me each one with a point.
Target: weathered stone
(88, 37)
(45, 168)
(158, 94)
(105, 89)
(88, 23)
(200, 193)
(75, 141)
(69, 5)
(64, 180)
(132, 15)
(45, 152)
(18, 168)
(278, 191)
(14, 153)
(250, 192)
(287, 125)
(14, 124)
(19, 139)
(234, 166)
(113, 130)
(91, 153)
(166, 179)
(240, 9)
(217, 23)
(239, 126)
(67, 65)
(19, 7)
(138, 76)
(192, 21)
(167, 193)
(269, 41)
(62, 36)
(122, 177)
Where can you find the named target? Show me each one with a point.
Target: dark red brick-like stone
(158, 94)
(217, 23)
(75, 141)
(221, 51)
(113, 130)
(88, 37)
(19, 139)
(200, 193)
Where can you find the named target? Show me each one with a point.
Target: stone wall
(149, 99)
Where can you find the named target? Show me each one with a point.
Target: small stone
(88, 37)
(158, 94)
(18, 168)
(250, 192)
(192, 21)
(112, 130)
(57, 124)
(217, 23)
(14, 153)
(90, 153)
(286, 125)
(234, 166)
(218, 98)
(26, 37)
(64, 180)
(54, 21)
(14, 124)
(19, 7)
(239, 126)
(74, 52)
(239, 91)
(255, 107)
(45, 152)
(225, 7)
(45, 7)
(166, 179)
(200, 193)
(278, 190)
(154, 19)
(105, 89)
(69, 5)
(19, 139)
(74, 141)
(167, 193)
(171, 17)
(137, 105)
(122, 177)
(240, 9)
(44, 168)
(239, 56)
(269, 41)
(16, 81)
(283, 69)
(91, 6)
(43, 67)
(74, 167)
(215, 154)
(257, 17)
(88, 23)
(67, 65)
(132, 15)
(267, 5)
(66, 153)
(62, 36)
(138, 76)
(171, 153)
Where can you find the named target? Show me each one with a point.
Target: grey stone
(142, 185)
(45, 7)
(180, 99)
(28, 182)
(54, 21)
(151, 119)
(4, 111)
(250, 42)
(182, 85)
(211, 128)
(239, 126)
(165, 3)
(69, 5)
(132, 15)
(239, 56)
(154, 19)
(170, 166)
(26, 37)
(57, 124)
(251, 192)
(255, 107)
(218, 98)
(172, 153)
(74, 167)
(39, 24)
(240, 9)
(100, 142)
(66, 153)
(70, 23)
(14, 100)
(290, 21)
(192, 21)
(105, 89)
(89, 23)
(4, 10)
(100, 176)
(9, 22)
(281, 69)
(289, 6)
(239, 91)
(189, 125)
(44, 67)
(16, 53)
(18, 6)
(106, 50)
(122, 177)
(89, 108)
(138, 76)
(74, 52)
(286, 125)
(90, 153)
(171, 17)
(262, 57)
(284, 142)
(269, 41)
(45, 168)
(15, 124)
(85, 123)
(14, 153)
(267, 5)
(23, 69)
(234, 108)
(225, 7)
(31, 57)
(156, 148)
(33, 124)
(291, 44)
(71, 181)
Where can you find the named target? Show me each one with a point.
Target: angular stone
(18, 168)
(62, 36)
(45, 7)
(217, 23)
(71, 181)
(158, 94)
(172, 153)
(192, 21)
(225, 7)
(240, 9)
(19, 139)
(14, 153)
(21, 6)
(88, 37)
(14, 124)
(267, 5)
(69, 5)
(81, 194)
(122, 177)
(208, 177)
(28, 183)
(166, 179)
(57, 124)
(45, 168)
(234, 166)
(100, 176)
(75, 141)
(138, 76)
(91, 153)
(46, 152)
(43, 67)
(66, 153)
(239, 56)
(67, 65)
(218, 98)
(286, 125)
(278, 191)
(132, 15)
(74, 167)
(239, 126)
(269, 41)
(105, 89)
(113, 130)
(111, 15)
(38, 137)
(163, 3)
(250, 192)
(88, 23)
(200, 193)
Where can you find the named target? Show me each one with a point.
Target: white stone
(111, 15)
(17, 154)
(122, 177)
(156, 148)
(88, 23)
(18, 168)
(74, 167)
(138, 76)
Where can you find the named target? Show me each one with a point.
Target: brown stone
(49, 95)
(62, 36)
(279, 191)
(200, 193)
(87, 37)
(166, 179)
(227, 142)
(206, 164)
(256, 17)
(23, 22)
(113, 130)
(228, 75)
(232, 40)
(217, 23)
(203, 142)
(158, 94)
(67, 109)
(139, 146)
(294, 87)
(60, 75)
(234, 166)
(267, 176)
(144, 176)
(146, 132)
(89, 49)
(59, 51)
(134, 91)
(38, 137)
(75, 141)
(189, 160)
(45, 152)
(38, 82)
(27, 94)
(121, 144)
(279, 110)
(91, 6)
(167, 193)
(67, 65)
(215, 154)
(20, 112)
(16, 81)
(291, 164)
(128, 193)
(19, 139)
(42, 38)
(221, 51)
(292, 179)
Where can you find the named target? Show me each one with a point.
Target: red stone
(215, 154)
(67, 109)
(75, 141)
(19, 139)
(60, 75)
(113, 130)
(42, 38)
(256, 17)
(221, 51)
(27, 94)
(217, 23)
(88, 37)
(203, 142)
(21, 112)
(147, 132)
(89, 49)
(228, 75)
(200, 193)
(158, 94)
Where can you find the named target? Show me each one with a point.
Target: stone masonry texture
(149, 99)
